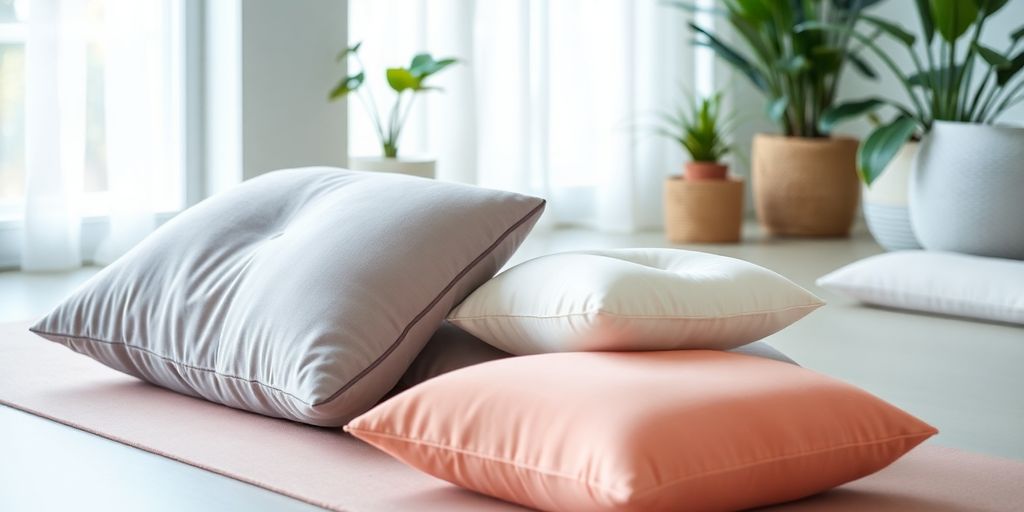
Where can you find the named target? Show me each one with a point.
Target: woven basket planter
(703, 211)
(805, 187)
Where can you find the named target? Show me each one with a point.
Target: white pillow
(936, 282)
(631, 299)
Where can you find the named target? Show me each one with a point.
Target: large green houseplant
(804, 181)
(407, 83)
(956, 89)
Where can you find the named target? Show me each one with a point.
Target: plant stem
(374, 116)
(391, 142)
(972, 110)
(903, 79)
(964, 74)
(965, 90)
(1008, 98)
(375, 112)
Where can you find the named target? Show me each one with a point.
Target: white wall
(269, 67)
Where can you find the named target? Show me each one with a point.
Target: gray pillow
(452, 348)
(302, 294)
(449, 349)
(762, 349)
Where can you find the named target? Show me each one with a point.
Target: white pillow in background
(936, 282)
(631, 299)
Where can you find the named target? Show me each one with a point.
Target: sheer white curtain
(552, 98)
(103, 128)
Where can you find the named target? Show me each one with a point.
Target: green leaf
(424, 65)
(952, 18)
(1005, 73)
(698, 128)
(754, 10)
(346, 86)
(991, 56)
(924, 12)
(861, 65)
(881, 146)
(892, 29)
(401, 79)
(845, 111)
(989, 7)
(928, 77)
(732, 57)
(1017, 34)
(793, 65)
(776, 109)
(348, 51)
(854, 5)
(826, 59)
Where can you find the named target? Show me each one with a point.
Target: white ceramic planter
(412, 166)
(967, 190)
(886, 203)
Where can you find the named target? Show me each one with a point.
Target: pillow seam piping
(656, 487)
(451, 284)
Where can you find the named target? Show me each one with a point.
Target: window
(109, 85)
(12, 109)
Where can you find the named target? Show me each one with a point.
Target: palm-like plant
(798, 71)
(407, 83)
(953, 79)
(698, 127)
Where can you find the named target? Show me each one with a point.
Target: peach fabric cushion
(643, 431)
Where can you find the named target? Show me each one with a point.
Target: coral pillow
(302, 294)
(641, 431)
(631, 299)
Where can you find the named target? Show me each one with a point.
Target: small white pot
(410, 165)
(886, 203)
(967, 190)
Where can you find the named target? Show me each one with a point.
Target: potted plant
(408, 83)
(805, 181)
(966, 182)
(702, 204)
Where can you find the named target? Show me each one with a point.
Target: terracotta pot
(703, 211)
(705, 171)
(805, 187)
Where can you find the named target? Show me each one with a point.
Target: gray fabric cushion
(449, 349)
(762, 349)
(302, 294)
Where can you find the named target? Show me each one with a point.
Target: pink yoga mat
(327, 468)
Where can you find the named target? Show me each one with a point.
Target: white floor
(964, 377)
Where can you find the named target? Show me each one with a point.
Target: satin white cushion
(631, 299)
(936, 282)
